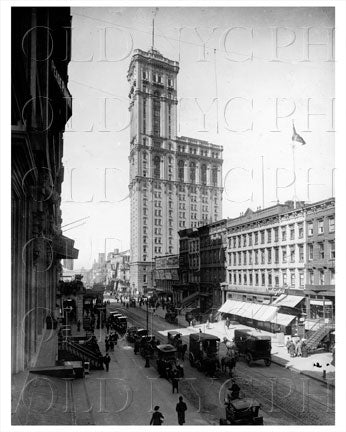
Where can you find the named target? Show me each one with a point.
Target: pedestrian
(183, 351)
(299, 349)
(136, 347)
(111, 345)
(107, 344)
(180, 409)
(157, 418)
(78, 326)
(106, 361)
(175, 382)
(228, 322)
(292, 349)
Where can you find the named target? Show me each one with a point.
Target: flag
(296, 137)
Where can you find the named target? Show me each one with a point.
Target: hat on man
(156, 408)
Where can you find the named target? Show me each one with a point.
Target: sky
(251, 71)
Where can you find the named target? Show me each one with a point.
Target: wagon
(242, 412)
(253, 346)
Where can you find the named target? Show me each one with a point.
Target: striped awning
(288, 300)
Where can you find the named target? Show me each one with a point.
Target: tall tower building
(175, 182)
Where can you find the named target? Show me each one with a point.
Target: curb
(278, 361)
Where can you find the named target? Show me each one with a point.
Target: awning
(282, 319)
(230, 305)
(321, 302)
(266, 313)
(287, 300)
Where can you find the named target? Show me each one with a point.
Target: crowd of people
(296, 347)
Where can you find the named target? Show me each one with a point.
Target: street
(286, 397)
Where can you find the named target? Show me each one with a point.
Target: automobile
(134, 333)
(121, 324)
(253, 345)
(203, 352)
(166, 361)
(242, 412)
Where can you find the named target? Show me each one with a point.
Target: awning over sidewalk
(259, 312)
(283, 319)
(287, 300)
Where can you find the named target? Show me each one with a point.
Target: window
(156, 114)
(239, 258)
(276, 255)
(301, 253)
(144, 278)
(181, 170)
(250, 257)
(250, 278)
(144, 116)
(276, 234)
(300, 230)
(321, 275)
(204, 174)
(262, 237)
(269, 255)
(321, 250)
(244, 258)
(320, 226)
(244, 240)
(193, 172)
(331, 224)
(145, 75)
(157, 166)
(269, 279)
(293, 279)
(269, 235)
(310, 277)
(214, 176)
(310, 229)
(301, 279)
(276, 280)
(262, 256)
(263, 277)
(292, 254)
(256, 238)
(283, 233)
(250, 239)
(332, 249)
(245, 278)
(292, 233)
(310, 252)
(284, 254)
(256, 257)
(256, 278)
(284, 278)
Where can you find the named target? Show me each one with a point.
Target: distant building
(175, 182)
(68, 263)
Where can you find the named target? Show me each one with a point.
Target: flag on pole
(296, 137)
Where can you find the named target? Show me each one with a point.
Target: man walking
(157, 417)
(180, 409)
(106, 361)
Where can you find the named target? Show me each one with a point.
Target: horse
(228, 362)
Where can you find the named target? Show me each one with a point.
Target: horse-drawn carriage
(134, 332)
(253, 345)
(166, 361)
(203, 352)
(147, 345)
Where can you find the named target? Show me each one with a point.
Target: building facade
(320, 263)
(175, 182)
(266, 253)
(41, 106)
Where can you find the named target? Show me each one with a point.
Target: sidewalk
(280, 356)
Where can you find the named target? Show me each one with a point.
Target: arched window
(157, 166)
(192, 172)
(181, 170)
(214, 176)
(204, 174)
(144, 156)
(156, 114)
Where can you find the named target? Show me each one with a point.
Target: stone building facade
(175, 182)
(41, 106)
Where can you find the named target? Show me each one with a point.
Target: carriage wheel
(267, 362)
(248, 359)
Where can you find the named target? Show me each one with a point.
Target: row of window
(157, 78)
(265, 236)
(321, 226)
(266, 278)
(266, 256)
